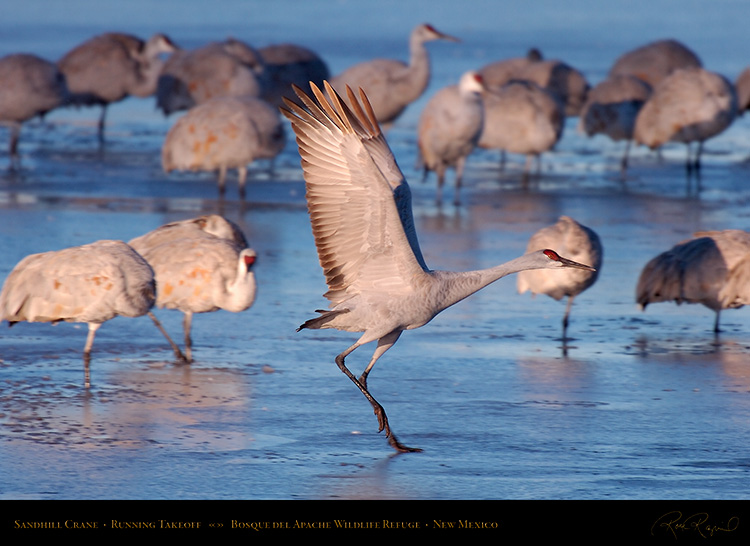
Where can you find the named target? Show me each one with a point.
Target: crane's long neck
(418, 71)
(149, 76)
(460, 285)
(240, 293)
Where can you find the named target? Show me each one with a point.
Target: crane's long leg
(384, 343)
(566, 317)
(222, 181)
(101, 124)
(175, 348)
(716, 323)
(93, 327)
(624, 160)
(440, 181)
(379, 411)
(460, 164)
(241, 180)
(15, 135)
(187, 323)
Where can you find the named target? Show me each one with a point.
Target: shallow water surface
(638, 405)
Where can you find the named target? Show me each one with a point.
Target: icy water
(641, 405)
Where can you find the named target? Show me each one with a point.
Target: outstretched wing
(353, 183)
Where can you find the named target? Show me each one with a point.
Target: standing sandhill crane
(224, 133)
(230, 68)
(577, 241)
(522, 118)
(449, 129)
(289, 64)
(498, 73)
(110, 67)
(92, 283)
(198, 273)
(560, 79)
(690, 105)
(360, 211)
(391, 84)
(712, 268)
(31, 86)
(611, 109)
(655, 61)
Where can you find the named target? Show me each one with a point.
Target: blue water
(643, 406)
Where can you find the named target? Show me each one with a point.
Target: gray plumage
(201, 265)
(209, 225)
(690, 105)
(91, 284)
(31, 86)
(231, 68)
(578, 242)
(712, 268)
(566, 83)
(611, 109)
(291, 64)
(655, 61)
(377, 281)
(110, 67)
(742, 86)
(224, 133)
(522, 118)
(391, 85)
(449, 129)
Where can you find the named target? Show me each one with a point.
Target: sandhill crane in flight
(611, 109)
(92, 283)
(390, 84)
(655, 61)
(712, 268)
(224, 133)
(449, 129)
(575, 240)
(31, 86)
(360, 210)
(198, 271)
(690, 105)
(112, 66)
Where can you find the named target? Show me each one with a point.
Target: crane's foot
(392, 440)
(401, 448)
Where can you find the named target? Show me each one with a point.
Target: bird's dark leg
(15, 134)
(440, 182)
(93, 327)
(181, 357)
(566, 317)
(459, 180)
(716, 323)
(624, 160)
(222, 181)
(378, 409)
(241, 179)
(101, 124)
(186, 326)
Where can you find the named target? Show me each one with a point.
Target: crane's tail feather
(322, 320)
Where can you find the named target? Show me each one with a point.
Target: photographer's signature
(675, 524)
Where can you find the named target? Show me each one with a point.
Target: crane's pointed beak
(575, 265)
(448, 37)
